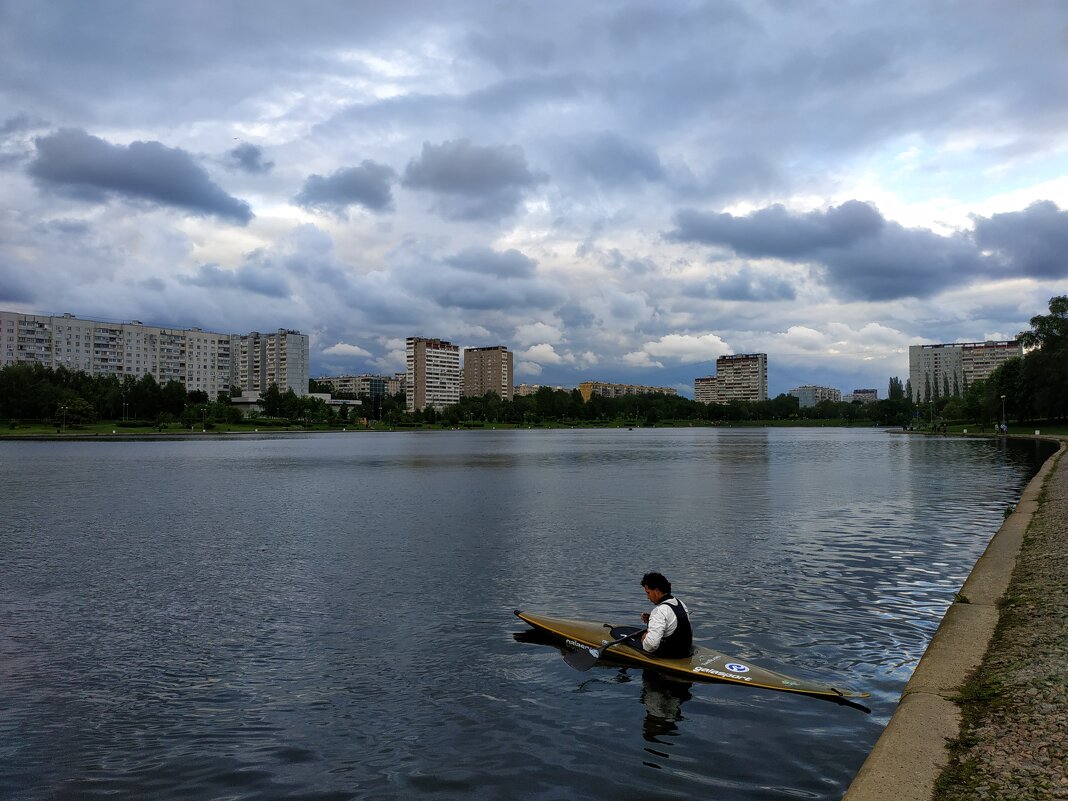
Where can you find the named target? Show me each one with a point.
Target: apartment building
(742, 376)
(373, 386)
(809, 395)
(279, 358)
(525, 390)
(862, 395)
(488, 370)
(199, 359)
(588, 389)
(433, 375)
(942, 370)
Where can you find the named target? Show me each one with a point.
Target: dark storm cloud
(472, 293)
(864, 256)
(1032, 242)
(509, 264)
(21, 122)
(368, 185)
(613, 160)
(507, 50)
(867, 257)
(249, 157)
(899, 262)
(249, 277)
(774, 231)
(472, 182)
(746, 287)
(482, 279)
(14, 286)
(88, 167)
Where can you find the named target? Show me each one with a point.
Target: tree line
(33, 392)
(557, 406)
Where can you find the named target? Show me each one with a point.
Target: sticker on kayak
(582, 646)
(734, 667)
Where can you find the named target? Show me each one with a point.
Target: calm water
(330, 616)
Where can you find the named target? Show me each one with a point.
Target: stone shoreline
(1001, 655)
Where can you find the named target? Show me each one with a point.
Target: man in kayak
(668, 633)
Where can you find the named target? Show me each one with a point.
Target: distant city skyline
(619, 191)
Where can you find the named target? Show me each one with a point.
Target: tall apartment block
(433, 375)
(488, 370)
(279, 358)
(809, 395)
(200, 360)
(938, 371)
(742, 376)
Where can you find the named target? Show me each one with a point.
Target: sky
(617, 191)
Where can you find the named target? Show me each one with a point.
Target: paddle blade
(581, 658)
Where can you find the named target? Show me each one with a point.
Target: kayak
(705, 664)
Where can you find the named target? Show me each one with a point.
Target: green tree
(896, 390)
(1049, 329)
(271, 401)
(1044, 377)
(173, 398)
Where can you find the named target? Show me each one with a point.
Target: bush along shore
(1013, 741)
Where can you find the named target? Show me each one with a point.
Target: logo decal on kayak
(721, 674)
(581, 646)
(734, 667)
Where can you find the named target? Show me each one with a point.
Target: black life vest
(678, 644)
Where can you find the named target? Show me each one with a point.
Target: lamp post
(1004, 422)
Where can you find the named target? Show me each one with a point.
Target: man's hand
(645, 617)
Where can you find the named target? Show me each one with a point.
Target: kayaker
(668, 633)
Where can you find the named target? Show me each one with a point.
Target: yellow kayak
(705, 664)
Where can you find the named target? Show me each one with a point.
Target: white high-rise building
(742, 376)
(200, 360)
(809, 395)
(938, 371)
(433, 376)
(279, 358)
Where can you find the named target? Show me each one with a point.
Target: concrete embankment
(913, 750)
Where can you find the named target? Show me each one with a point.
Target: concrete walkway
(913, 750)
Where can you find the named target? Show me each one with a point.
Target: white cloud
(530, 333)
(343, 349)
(639, 358)
(678, 348)
(544, 353)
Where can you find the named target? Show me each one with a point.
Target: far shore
(113, 431)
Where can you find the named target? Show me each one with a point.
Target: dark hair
(657, 581)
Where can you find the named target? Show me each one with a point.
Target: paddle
(586, 657)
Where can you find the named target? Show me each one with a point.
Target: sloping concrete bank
(912, 751)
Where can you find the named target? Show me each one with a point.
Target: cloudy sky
(617, 191)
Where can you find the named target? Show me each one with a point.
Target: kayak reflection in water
(663, 699)
(668, 632)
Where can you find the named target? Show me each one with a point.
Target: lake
(330, 616)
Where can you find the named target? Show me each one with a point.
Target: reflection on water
(330, 617)
(663, 698)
